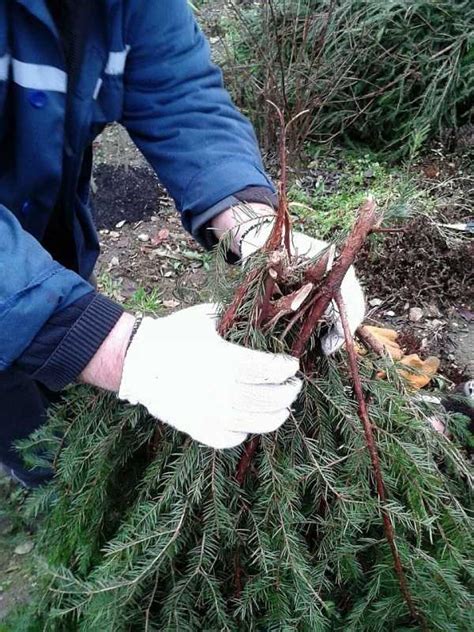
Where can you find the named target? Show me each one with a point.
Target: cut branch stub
(288, 304)
(366, 220)
(317, 272)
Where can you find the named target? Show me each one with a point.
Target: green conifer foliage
(144, 529)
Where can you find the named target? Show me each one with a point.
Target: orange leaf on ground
(424, 370)
(387, 338)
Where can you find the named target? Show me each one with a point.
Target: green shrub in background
(387, 73)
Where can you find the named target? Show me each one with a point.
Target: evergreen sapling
(354, 516)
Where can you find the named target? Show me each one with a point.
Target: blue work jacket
(146, 64)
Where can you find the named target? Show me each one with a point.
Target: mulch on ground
(125, 193)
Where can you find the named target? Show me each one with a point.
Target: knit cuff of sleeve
(79, 341)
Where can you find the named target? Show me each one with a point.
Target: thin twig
(374, 457)
(281, 232)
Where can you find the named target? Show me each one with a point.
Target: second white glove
(217, 392)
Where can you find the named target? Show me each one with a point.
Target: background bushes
(389, 73)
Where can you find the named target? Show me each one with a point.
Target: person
(67, 69)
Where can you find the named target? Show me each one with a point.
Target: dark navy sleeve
(180, 116)
(68, 341)
(33, 287)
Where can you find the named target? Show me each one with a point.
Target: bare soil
(430, 266)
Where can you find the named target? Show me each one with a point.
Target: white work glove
(217, 392)
(252, 239)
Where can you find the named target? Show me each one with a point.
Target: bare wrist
(237, 219)
(105, 368)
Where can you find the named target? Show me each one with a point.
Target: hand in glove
(251, 239)
(186, 375)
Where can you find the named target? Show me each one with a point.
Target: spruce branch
(328, 291)
(374, 457)
(368, 218)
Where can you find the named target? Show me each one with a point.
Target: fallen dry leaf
(387, 338)
(171, 304)
(424, 370)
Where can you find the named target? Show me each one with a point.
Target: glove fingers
(266, 398)
(331, 342)
(258, 367)
(220, 440)
(196, 321)
(256, 423)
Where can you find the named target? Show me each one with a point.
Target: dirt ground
(16, 547)
(149, 263)
(142, 241)
(429, 266)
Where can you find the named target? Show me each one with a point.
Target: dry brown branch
(374, 457)
(366, 220)
(281, 232)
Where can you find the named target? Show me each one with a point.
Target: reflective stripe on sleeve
(39, 77)
(4, 67)
(116, 62)
(97, 88)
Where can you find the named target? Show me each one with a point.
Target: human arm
(106, 366)
(182, 119)
(146, 372)
(33, 288)
(180, 116)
